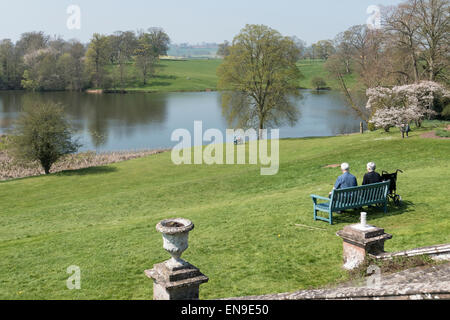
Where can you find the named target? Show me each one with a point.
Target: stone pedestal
(176, 283)
(361, 240)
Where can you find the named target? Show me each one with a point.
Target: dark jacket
(371, 177)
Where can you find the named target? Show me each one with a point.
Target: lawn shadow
(160, 83)
(373, 213)
(165, 76)
(87, 171)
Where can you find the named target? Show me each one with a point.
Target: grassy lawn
(316, 68)
(248, 237)
(200, 75)
(178, 75)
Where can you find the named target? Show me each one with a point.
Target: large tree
(97, 57)
(323, 49)
(403, 27)
(123, 45)
(32, 41)
(434, 29)
(8, 68)
(259, 78)
(159, 40)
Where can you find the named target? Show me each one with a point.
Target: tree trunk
(416, 70)
(261, 128)
(46, 166)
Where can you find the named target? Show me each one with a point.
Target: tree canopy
(42, 133)
(259, 79)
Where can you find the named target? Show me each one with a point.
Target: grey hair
(345, 166)
(371, 166)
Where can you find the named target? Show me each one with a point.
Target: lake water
(113, 122)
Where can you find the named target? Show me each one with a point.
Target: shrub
(41, 133)
(371, 126)
(446, 112)
(318, 83)
(443, 133)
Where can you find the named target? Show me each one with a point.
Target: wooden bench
(351, 198)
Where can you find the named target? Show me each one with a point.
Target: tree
(401, 23)
(146, 55)
(123, 45)
(354, 97)
(259, 78)
(434, 31)
(301, 46)
(403, 104)
(75, 69)
(344, 50)
(159, 40)
(32, 41)
(224, 49)
(42, 71)
(42, 134)
(97, 57)
(323, 49)
(318, 83)
(7, 68)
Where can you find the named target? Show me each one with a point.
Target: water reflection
(138, 121)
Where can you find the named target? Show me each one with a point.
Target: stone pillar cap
(363, 236)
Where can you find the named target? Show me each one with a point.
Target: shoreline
(11, 169)
(137, 90)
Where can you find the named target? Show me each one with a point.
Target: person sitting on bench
(346, 180)
(371, 176)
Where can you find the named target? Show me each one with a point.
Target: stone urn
(175, 234)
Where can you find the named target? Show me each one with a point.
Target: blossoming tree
(401, 105)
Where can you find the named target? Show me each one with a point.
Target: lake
(113, 122)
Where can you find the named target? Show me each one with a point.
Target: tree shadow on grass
(373, 213)
(165, 76)
(87, 171)
(160, 83)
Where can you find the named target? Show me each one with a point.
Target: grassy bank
(200, 75)
(316, 68)
(177, 75)
(254, 234)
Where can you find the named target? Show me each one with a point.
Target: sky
(192, 21)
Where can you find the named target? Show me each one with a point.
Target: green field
(249, 237)
(315, 68)
(178, 75)
(200, 75)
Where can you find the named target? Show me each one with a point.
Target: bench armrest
(315, 197)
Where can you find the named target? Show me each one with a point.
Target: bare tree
(401, 23)
(434, 19)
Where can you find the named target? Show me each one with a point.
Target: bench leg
(315, 214)
(385, 207)
(331, 217)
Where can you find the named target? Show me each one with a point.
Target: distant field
(179, 75)
(200, 75)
